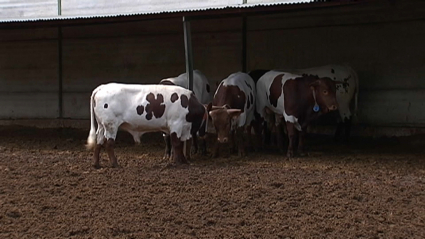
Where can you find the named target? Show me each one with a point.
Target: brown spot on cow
(174, 97)
(184, 101)
(196, 114)
(275, 90)
(155, 107)
(140, 109)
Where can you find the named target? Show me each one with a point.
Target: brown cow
(297, 99)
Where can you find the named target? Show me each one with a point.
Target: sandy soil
(371, 188)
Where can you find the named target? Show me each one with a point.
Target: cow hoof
(115, 165)
(96, 166)
(166, 157)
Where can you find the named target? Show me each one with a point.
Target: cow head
(324, 92)
(222, 118)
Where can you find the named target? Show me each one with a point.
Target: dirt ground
(371, 188)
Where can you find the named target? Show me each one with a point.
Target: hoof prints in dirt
(369, 189)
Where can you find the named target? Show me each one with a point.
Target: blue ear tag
(316, 108)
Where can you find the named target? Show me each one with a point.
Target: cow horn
(226, 106)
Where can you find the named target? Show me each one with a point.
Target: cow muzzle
(223, 140)
(333, 107)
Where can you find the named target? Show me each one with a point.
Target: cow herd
(245, 107)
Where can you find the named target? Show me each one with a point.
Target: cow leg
(216, 149)
(240, 141)
(96, 156)
(187, 149)
(291, 136)
(100, 139)
(167, 140)
(279, 137)
(301, 140)
(233, 141)
(178, 146)
(110, 150)
(194, 148)
(203, 145)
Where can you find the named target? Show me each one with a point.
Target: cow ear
(234, 113)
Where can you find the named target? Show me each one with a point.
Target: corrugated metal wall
(11, 9)
(82, 7)
(28, 9)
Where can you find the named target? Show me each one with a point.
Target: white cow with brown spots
(139, 109)
(202, 90)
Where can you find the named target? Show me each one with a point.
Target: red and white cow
(297, 99)
(346, 93)
(232, 109)
(142, 108)
(202, 91)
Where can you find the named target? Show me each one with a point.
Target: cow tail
(91, 140)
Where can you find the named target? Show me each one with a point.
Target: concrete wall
(381, 41)
(28, 73)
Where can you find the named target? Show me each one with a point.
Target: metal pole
(59, 7)
(244, 43)
(60, 83)
(188, 52)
